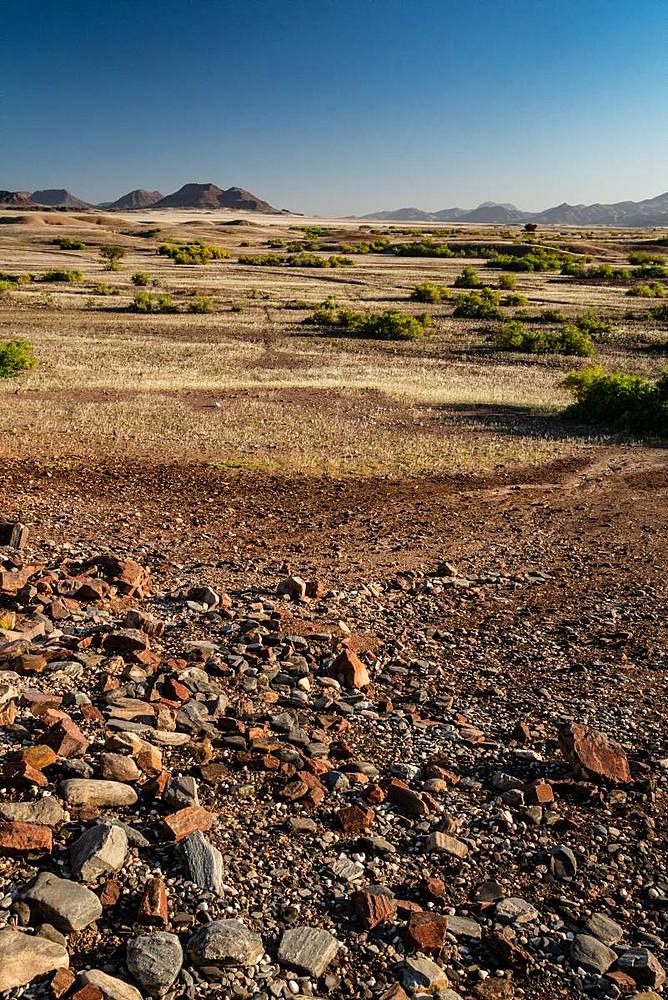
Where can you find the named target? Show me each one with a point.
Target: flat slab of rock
(225, 942)
(110, 987)
(589, 953)
(601, 926)
(24, 957)
(155, 961)
(98, 851)
(97, 792)
(421, 975)
(44, 812)
(309, 949)
(442, 843)
(203, 863)
(516, 910)
(593, 754)
(63, 903)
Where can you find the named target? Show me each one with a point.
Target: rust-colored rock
(405, 799)
(153, 905)
(355, 819)
(539, 793)
(434, 888)
(62, 983)
(185, 821)
(350, 668)
(19, 774)
(66, 739)
(507, 949)
(426, 931)
(111, 893)
(129, 576)
(20, 838)
(87, 992)
(592, 754)
(375, 905)
(39, 756)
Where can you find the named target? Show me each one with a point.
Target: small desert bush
(302, 259)
(469, 278)
(112, 255)
(507, 281)
(651, 271)
(514, 336)
(535, 260)
(392, 324)
(141, 279)
(603, 274)
(643, 257)
(144, 302)
(68, 243)
(514, 299)
(195, 252)
(16, 357)
(644, 291)
(60, 274)
(620, 400)
(550, 315)
(428, 291)
(423, 249)
(659, 313)
(481, 303)
(201, 304)
(593, 325)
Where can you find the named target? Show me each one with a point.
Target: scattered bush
(481, 303)
(68, 243)
(16, 357)
(619, 400)
(144, 302)
(593, 325)
(538, 259)
(507, 281)
(530, 227)
(652, 271)
(469, 278)
(60, 274)
(201, 304)
(141, 278)
(195, 252)
(430, 292)
(642, 257)
(298, 260)
(391, 324)
(514, 336)
(659, 313)
(597, 273)
(644, 291)
(262, 260)
(423, 249)
(550, 315)
(514, 299)
(104, 289)
(5, 287)
(112, 256)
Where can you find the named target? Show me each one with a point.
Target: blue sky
(332, 106)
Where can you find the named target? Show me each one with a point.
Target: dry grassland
(248, 386)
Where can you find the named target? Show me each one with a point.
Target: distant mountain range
(651, 212)
(208, 196)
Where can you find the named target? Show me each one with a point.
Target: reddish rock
(87, 992)
(185, 821)
(350, 668)
(395, 992)
(355, 819)
(539, 793)
(39, 702)
(507, 950)
(522, 733)
(405, 799)
(592, 754)
(29, 663)
(375, 795)
(18, 773)
(19, 838)
(127, 642)
(39, 756)
(293, 586)
(129, 577)
(434, 888)
(90, 589)
(111, 893)
(426, 931)
(375, 905)
(62, 983)
(153, 905)
(91, 713)
(174, 689)
(66, 739)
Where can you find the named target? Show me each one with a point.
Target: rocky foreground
(295, 791)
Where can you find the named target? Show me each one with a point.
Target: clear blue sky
(339, 106)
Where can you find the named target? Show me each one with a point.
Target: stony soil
(378, 779)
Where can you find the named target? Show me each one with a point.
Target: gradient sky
(338, 107)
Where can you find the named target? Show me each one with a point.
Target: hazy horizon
(340, 109)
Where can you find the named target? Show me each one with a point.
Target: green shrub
(514, 299)
(60, 274)
(195, 252)
(423, 249)
(642, 257)
(112, 256)
(514, 336)
(597, 273)
(659, 313)
(68, 243)
(551, 315)
(391, 324)
(644, 291)
(302, 259)
(144, 302)
(262, 260)
(16, 357)
(481, 303)
(652, 271)
(619, 400)
(507, 281)
(469, 278)
(428, 291)
(537, 259)
(276, 244)
(5, 287)
(593, 325)
(201, 304)
(141, 278)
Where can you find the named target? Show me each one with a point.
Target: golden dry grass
(145, 385)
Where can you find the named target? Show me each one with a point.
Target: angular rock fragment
(98, 851)
(155, 961)
(421, 975)
(589, 953)
(110, 987)
(20, 838)
(181, 824)
(203, 862)
(225, 942)
(308, 949)
(24, 957)
(375, 905)
(593, 754)
(65, 904)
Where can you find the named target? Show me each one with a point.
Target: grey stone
(24, 958)
(309, 949)
(589, 953)
(225, 942)
(45, 812)
(346, 870)
(464, 927)
(563, 862)
(203, 863)
(181, 792)
(118, 767)
(155, 961)
(98, 851)
(110, 987)
(516, 910)
(93, 792)
(49, 932)
(600, 926)
(643, 966)
(421, 975)
(65, 904)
